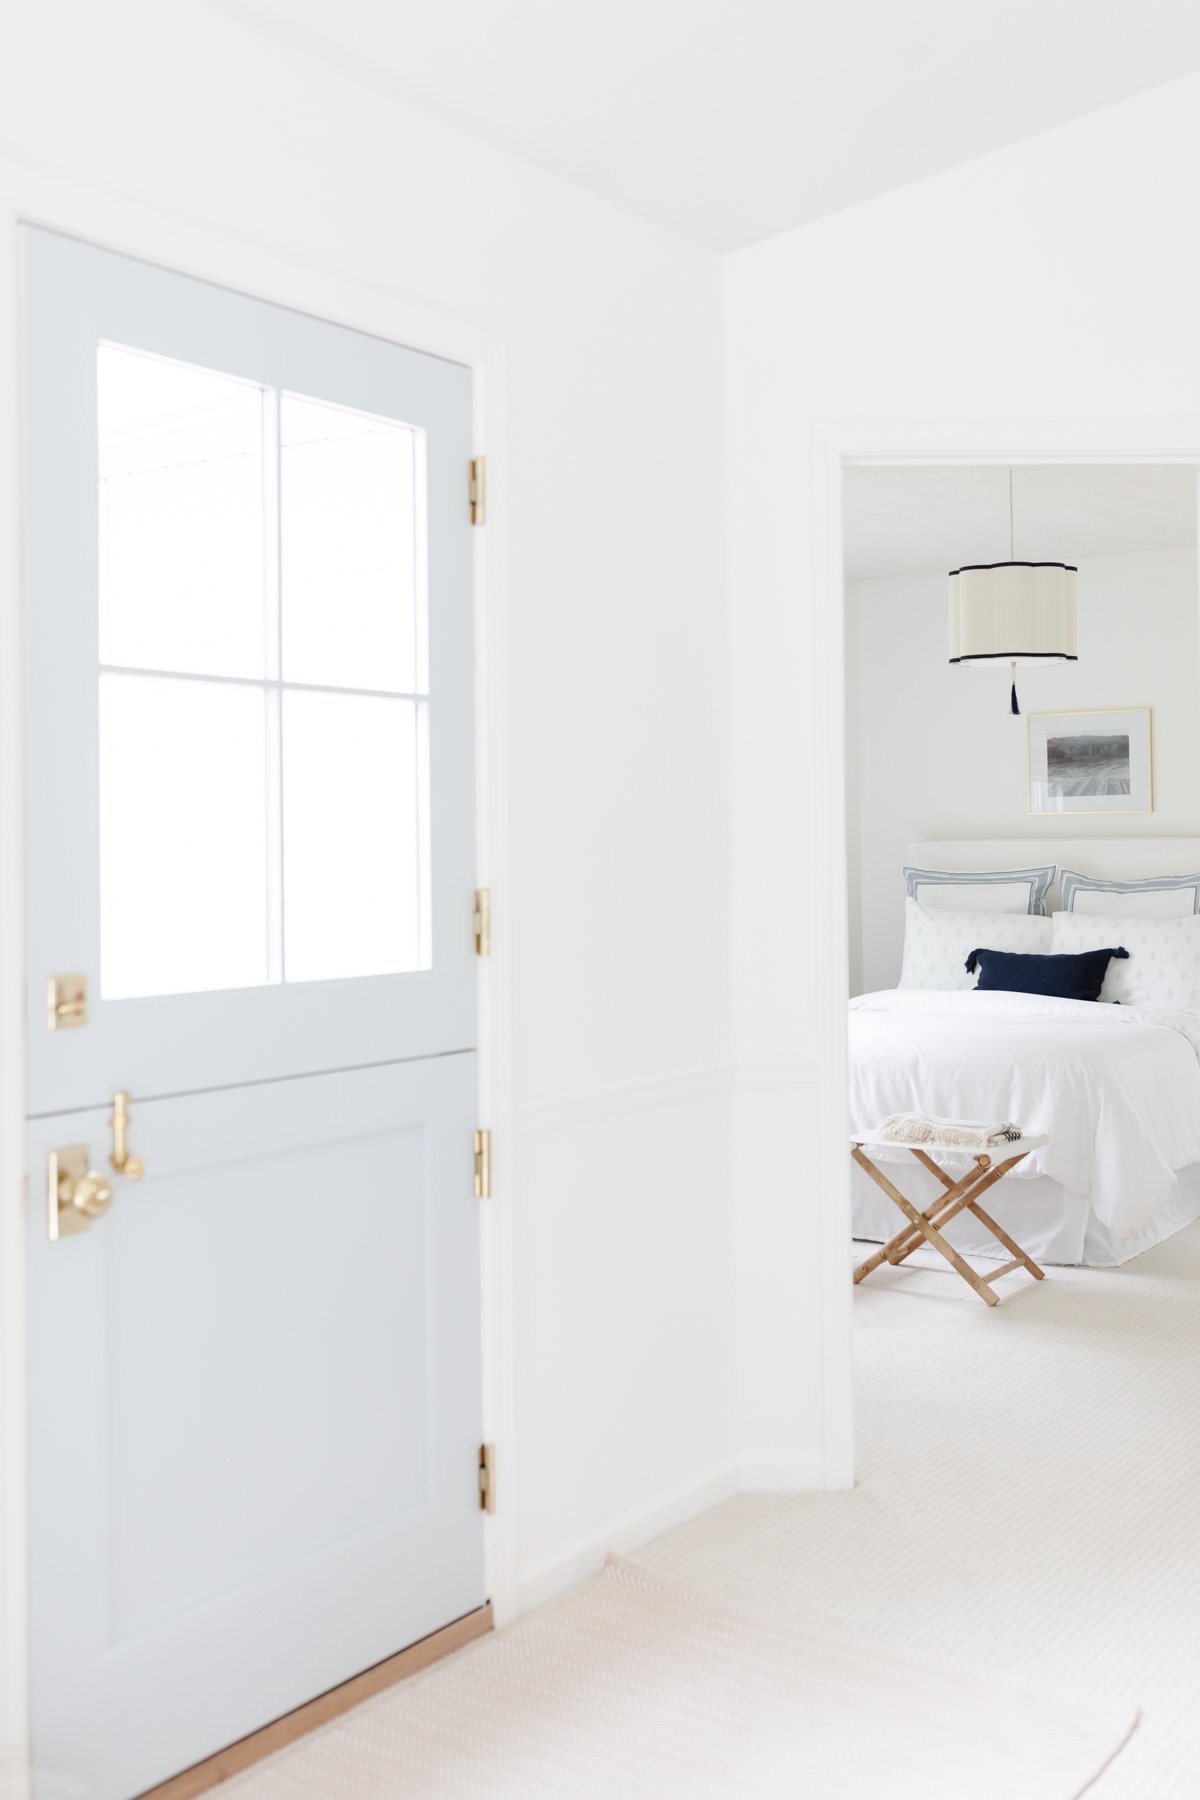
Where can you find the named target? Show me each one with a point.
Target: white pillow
(937, 942)
(1164, 956)
(981, 890)
(1157, 897)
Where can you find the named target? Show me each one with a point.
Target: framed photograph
(1091, 762)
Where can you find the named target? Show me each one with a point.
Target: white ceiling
(913, 521)
(731, 120)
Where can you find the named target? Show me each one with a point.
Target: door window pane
(181, 517)
(264, 800)
(183, 835)
(355, 836)
(348, 548)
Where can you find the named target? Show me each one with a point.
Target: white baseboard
(562, 1569)
(781, 1475)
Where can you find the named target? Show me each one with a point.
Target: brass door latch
(66, 1002)
(77, 1194)
(122, 1160)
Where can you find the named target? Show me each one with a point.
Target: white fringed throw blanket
(951, 1134)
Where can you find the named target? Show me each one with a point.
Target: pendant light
(1012, 612)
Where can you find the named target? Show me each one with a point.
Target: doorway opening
(967, 821)
(987, 1431)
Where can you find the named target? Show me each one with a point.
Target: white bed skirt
(1052, 1224)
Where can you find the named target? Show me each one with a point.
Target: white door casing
(255, 1383)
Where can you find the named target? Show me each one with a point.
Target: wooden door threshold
(249, 1750)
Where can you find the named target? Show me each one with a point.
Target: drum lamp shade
(1012, 612)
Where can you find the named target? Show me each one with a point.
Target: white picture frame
(1100, 760)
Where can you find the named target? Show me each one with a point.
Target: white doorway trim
(834, 447)
(31, 198)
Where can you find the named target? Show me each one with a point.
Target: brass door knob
(75, 1193)
(86, 1196)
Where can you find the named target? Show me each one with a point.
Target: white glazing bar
(272, 661)
(303, 687)
(420, 514)
(424, 841)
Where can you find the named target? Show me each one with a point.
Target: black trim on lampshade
(1009, 563)
(1013, 656)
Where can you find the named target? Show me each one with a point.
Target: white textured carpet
(1028, 1509)
(1028, 1500)
(637, 1686)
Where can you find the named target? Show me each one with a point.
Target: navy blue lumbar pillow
(1063, 977)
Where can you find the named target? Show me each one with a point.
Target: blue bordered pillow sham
(1154, 897)
(981, 890)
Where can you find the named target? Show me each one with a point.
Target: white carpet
(1028, 1500)
(638, 1687)
(1028, 1509)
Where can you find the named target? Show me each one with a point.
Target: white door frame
(834, 447)
(34, 199)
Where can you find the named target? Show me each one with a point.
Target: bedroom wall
(901, 309)
(854, 784)
(937, 753)
(172, 132)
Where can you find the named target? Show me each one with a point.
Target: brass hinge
(481, 921)
(483, 1165)
(475, 493)
(487, 1478)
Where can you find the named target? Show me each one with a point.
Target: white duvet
(1116, 1087)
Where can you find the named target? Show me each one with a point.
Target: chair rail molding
(582, 1109)
(767, 1071)
(748, 1072)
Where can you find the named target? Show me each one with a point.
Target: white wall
(657, 1337)
(168, 131)
(1051, 281)
(938, 754)
(854, 782)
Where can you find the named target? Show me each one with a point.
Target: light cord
(1012, 557)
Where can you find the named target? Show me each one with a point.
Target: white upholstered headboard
(1120, 859)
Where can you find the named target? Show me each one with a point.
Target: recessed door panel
(257, 1376)
(247, 1401)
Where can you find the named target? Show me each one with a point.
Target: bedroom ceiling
(916, 520)
(730, 120)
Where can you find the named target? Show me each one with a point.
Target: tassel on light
(1015, 707)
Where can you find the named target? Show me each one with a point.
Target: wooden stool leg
(872, 1263)
(907, 1239)
(925, 1227)
(997, 1231)
(953, 1199)
(1009, 1243)
(947, 1206)
(886, 1251)
(971, 1203)
(928, 1231)
(989, 1175)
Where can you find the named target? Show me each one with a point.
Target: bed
(1116, 1087)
